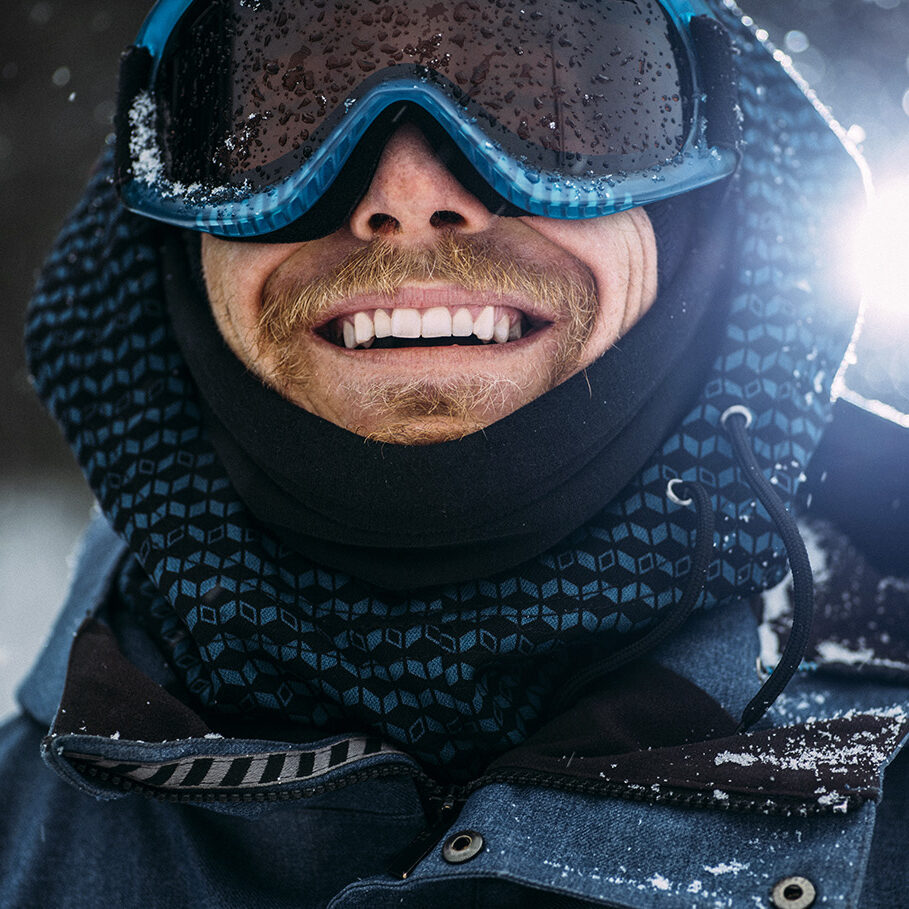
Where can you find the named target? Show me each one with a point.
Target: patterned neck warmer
(405, 518)
(462, 671)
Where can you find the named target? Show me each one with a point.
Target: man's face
(422, 256)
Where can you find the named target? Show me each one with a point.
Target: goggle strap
(713, 48)
(135, 75)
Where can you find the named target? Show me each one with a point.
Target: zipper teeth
(787, 806)
(443, 815)
(781, 805)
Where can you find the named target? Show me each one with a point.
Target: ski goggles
(265, 119)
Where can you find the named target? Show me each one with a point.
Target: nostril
(383, 224)
(446, 219)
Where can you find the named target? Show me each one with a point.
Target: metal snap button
(462, 846)
(793, 893)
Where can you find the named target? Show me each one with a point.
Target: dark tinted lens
(196, 85)
(594, 85)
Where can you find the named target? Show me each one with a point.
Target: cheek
(620, 252)
(235, 274)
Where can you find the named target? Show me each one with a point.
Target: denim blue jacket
(351, 822)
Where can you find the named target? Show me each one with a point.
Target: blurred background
(58, 68)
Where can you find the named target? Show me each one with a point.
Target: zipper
(444, 806)
(449, 807)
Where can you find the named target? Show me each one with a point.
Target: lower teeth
(390, 342)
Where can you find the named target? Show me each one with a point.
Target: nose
(413, 197)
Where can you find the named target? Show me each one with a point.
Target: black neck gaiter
(409, 517)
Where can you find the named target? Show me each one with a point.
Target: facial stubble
(401, 405)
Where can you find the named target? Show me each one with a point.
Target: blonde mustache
(383, 268)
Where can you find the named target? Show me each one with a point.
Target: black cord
(677, 614)
(735, 422)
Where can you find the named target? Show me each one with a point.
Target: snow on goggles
(265, 119)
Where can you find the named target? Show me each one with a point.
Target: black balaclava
(406, 517)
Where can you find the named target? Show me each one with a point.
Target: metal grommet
(671, 493)
(737, 408)
(793, 893)
(462, 846)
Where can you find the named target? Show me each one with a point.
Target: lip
(428, 296)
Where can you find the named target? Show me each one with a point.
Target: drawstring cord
(683, 492)
(735, 421)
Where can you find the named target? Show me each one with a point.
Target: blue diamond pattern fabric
(459, 673)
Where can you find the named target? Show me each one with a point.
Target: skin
(401, 207)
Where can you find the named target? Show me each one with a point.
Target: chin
(425, 409)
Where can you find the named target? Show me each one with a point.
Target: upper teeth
(488, 323)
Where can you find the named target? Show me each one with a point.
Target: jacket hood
(253, 626)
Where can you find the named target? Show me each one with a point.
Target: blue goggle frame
(232, 213)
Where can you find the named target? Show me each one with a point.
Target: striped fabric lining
(248, 771)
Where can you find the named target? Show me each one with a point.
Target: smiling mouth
(436, 326)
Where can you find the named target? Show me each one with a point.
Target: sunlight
(873, 376)
(882, 255)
